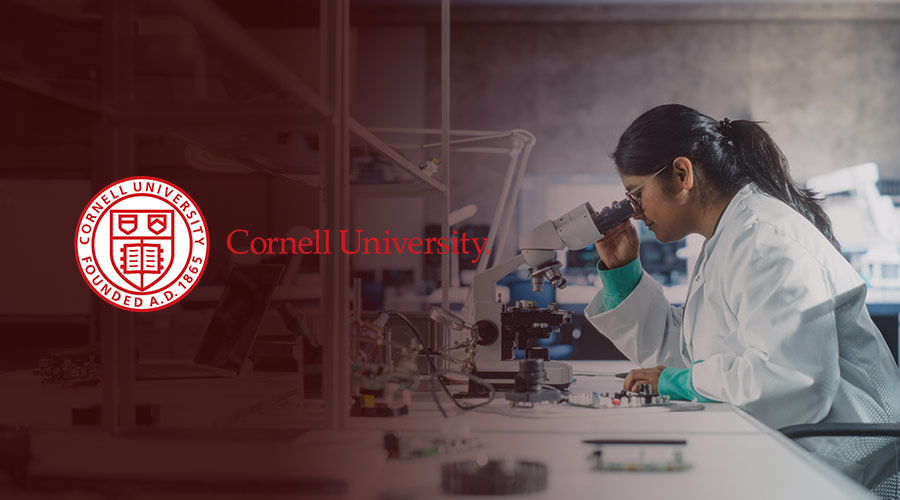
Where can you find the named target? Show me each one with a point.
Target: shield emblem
(156, 223)
(127, 223)
(142, 245)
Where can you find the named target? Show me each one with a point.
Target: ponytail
(728, 155)
(763, 163)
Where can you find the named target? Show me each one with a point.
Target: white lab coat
(778, 318)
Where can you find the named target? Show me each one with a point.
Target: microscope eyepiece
(582, 226)
(613, 215)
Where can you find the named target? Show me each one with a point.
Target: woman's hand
(620, 245)
(644, 376)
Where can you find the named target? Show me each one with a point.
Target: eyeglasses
(634, 197)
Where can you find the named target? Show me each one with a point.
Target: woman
(775, 319)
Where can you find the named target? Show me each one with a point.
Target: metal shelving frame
(121, 118)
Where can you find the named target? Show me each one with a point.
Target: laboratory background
(409, 119)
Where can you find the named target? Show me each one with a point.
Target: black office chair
(850, 430)
(886, 486)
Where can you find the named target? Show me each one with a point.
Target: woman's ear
(683, 169)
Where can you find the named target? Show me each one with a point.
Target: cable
(439, 374)
(514, 413)
(561, 394)
(492, 393)
(428, 357)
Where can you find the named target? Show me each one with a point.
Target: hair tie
(725, 125)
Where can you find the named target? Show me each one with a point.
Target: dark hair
(727, 156)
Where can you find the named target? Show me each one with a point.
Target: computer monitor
(238, 314)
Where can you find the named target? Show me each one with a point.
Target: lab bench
(247, 437)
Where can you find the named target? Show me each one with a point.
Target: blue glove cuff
(618, 283)
(678, 383)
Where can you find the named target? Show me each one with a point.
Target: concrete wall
(827, 87)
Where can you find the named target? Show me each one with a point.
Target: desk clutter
(622, 399)
(70, 366)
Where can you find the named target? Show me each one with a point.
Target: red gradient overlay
(99, 93)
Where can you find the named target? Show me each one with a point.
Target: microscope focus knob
(487, 332)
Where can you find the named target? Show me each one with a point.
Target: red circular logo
(141, 244)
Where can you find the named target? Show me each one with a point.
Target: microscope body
(502, 329)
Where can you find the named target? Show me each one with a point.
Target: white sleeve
(785, 305)
(644, 326)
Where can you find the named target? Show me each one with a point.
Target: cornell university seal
(141, 244)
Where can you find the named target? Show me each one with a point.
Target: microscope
(501, 329)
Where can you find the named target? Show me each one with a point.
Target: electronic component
(643, 397)
(638, 455)
(412, 445)
(67, 364)
(381, 389)
(371, 405)
(493, 477)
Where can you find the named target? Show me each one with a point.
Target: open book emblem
(142, 245)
